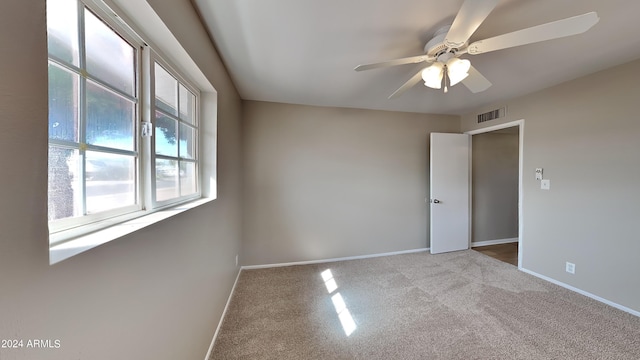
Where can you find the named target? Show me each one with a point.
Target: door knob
(435, 201)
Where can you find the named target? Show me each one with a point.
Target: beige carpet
(462, 305)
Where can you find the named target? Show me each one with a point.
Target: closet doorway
(496, 191)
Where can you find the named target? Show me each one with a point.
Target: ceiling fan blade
(471, 15)
(408, 60)
(476, 82)
(409, 84)
(553, 30)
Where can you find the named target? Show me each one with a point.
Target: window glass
(187, 105)
(62, 30)
(64, 187)
(110, 118)
(188, 178)
(109, 57)
(187, 141)
(166, 135)
(166, 91)
(110, 181)
(63, 103)
(167, 174)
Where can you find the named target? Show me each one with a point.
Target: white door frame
(520, 124)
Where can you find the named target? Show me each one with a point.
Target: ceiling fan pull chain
(446, 75)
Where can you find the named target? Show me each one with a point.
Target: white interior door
(449, 191)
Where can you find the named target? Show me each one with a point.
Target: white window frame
(70, 236)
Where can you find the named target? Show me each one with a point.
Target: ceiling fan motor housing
(436, 47)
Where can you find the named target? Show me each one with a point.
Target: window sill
(71, 246)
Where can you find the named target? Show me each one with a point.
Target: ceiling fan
(443, 51)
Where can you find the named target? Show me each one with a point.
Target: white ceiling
(304, 51)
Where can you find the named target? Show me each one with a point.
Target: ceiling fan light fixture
(457, 70)
(456, 78)
(432, 75)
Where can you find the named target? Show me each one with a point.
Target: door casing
(520, 124)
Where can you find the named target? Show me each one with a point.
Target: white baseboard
(251, 267)
(224, 313)
(582, 292)
(494, 242)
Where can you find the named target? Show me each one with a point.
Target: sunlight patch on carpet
(348, 324)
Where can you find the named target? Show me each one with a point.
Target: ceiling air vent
(492, 115)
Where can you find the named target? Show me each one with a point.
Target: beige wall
(156, 294)
(330, 182)
(494, 186)
(585, 134)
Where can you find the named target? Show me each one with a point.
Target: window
(100, 168)
(176, 137)
(93, 112)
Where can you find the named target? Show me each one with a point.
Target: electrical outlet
(570, 268)
(236, 260)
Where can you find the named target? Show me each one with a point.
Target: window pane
(187, 105)
(109, 57)
(187, 142)
(63, 104)
(110, 118)
(166, 133)
(166, 179)
(64, 183)
(166, 91)
(110, 181)
(187, 178)
(62, 30)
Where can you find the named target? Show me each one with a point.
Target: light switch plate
(545, 184)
